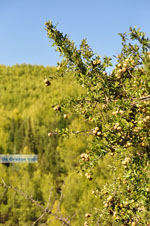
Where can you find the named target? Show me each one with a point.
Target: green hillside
(26, 117)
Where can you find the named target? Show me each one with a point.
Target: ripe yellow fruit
(125, 65)
(98, 133)
(126, 160)
(47, 82)
(50, 134)
(118, 128)
(86, 223)
(110, 198)
(96, 128)
(128, 144)
(116, 217)
(118, 76)
(94, 62)
(104, 73)
(106, 205)
(127, 60)
(115, 112)
(87, 215)
(57, 108)
(147, 117)
(65, 116)
(88, 176)
(132, 62)
(124, 69)
(142, 144)
(121, 112)
(98, 62)
(90, 118)
(94, 132)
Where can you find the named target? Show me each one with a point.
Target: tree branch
(45, 211)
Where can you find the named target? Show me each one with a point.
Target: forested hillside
(26, 118)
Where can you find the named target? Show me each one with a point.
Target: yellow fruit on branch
(50, 134)
(87, 215)
(57, 108)
(47, 82)
(96, 62)
(84, 157)
(124, 69)
(86, 223)
(88, 176)
(104, 73)
(110, 198)
(65, 116)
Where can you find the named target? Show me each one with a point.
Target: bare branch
(22, 193)
(43, 214)
(49, 199)
(46, 210)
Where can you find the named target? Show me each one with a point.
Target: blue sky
(23, 38)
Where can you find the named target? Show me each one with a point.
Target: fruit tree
(116, 108)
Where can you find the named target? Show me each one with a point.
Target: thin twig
(43, 214)
(22, 193)
(45, 210)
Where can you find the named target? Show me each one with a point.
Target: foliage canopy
(116, 106)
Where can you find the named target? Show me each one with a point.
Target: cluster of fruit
(109, 201)
(117, 126)
(114, 205)
(96, 131)
(84, 157)
(87, 215)
(122, 68)
(96, 62)
(88, 176)
(117, 112)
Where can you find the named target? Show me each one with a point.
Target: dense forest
(27, 117)
(90, 130)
